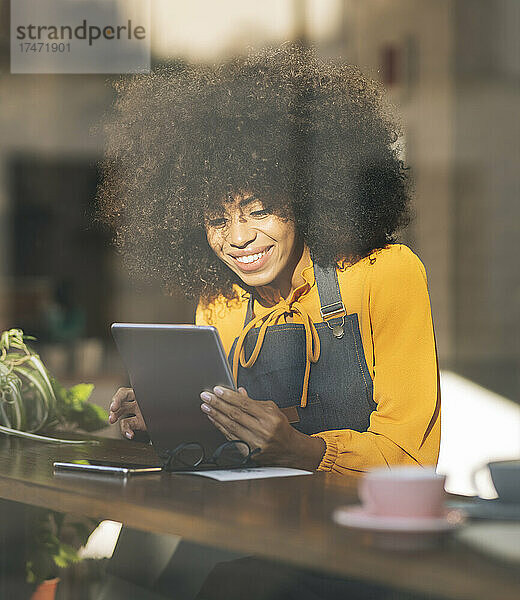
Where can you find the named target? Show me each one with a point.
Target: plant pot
(46, 590)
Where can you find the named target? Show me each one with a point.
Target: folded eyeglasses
(233, 454)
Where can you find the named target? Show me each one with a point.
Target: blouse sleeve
(405, 427)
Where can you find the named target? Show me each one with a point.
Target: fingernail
(206, 396)
(218, 390)
(110, 419)
(129, 435)
(112, 406)
(205, 408)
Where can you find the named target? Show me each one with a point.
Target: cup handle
(473, 478)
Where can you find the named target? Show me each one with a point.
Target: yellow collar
(307, 273)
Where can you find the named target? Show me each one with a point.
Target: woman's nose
(240, 234)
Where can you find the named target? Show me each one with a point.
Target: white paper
(248, 473)
(497, 539)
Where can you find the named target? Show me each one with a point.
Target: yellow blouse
(388, 290)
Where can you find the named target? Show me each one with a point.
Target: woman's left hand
(262, 425)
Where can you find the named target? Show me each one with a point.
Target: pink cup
(403, 492)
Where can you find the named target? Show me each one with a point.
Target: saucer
(496, 509)
(357, 517)
(399, 533)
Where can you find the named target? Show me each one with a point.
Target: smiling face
(259, 246)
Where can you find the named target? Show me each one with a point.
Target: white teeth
(251, 258)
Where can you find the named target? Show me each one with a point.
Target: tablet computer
(169, 366)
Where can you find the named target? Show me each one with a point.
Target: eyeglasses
(190, 455)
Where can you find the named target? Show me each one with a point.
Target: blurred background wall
(452, 68)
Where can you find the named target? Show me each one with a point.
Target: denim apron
(340, 393)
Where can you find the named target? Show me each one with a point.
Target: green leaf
(29, 571)
(81, 392)
(74, 408)
(12, 406)
(45, 393)
(93, 418)
(66, 556)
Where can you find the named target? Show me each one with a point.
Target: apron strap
(328, 292)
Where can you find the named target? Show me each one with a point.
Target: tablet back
(169, 366)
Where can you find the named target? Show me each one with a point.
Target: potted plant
(53, 546)
(32, 402)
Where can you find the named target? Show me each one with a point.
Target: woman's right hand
(124, 408)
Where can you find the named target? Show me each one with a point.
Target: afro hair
(313, 139)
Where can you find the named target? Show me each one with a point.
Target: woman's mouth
(252, 261)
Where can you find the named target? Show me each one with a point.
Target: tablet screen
(169, 366)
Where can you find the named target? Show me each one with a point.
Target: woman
(270, 189)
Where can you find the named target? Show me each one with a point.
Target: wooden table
(285, 519)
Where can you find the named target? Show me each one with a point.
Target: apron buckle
(338, 330)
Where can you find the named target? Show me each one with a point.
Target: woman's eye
(220, 222)
(260, 213)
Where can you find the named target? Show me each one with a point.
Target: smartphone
(106, 467)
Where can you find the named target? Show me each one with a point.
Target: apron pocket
(311, 417)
